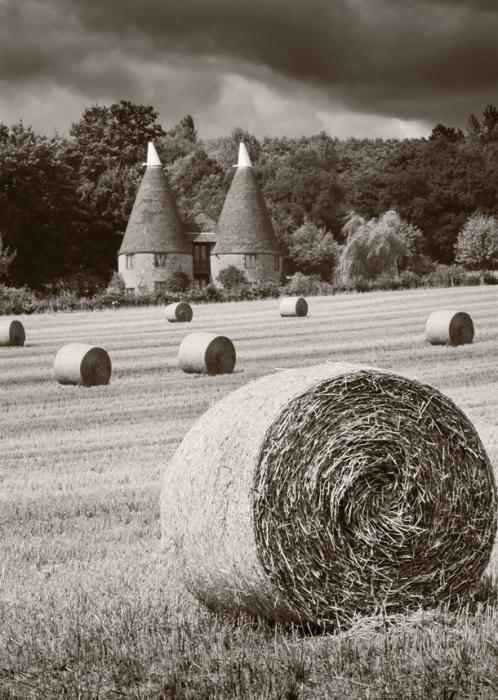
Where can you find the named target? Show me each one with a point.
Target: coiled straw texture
(79, 363)
(317, 494)
(293, 306)
(449, 327)
(181, 312)
(11, 332)
(206, 353)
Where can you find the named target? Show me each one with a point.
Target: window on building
(160, 287)
(160, 259)
(250, 261)
(130, 259)
(129, 291)
(276, 262)
(201, 257)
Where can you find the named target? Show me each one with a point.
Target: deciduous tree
(314, 251)
(477, 244)
(6, 260)
(41, 215)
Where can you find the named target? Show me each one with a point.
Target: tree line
(65, 200)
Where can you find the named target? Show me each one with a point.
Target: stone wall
(263, 269)
(144, 274)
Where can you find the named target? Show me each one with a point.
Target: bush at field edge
(21, 300)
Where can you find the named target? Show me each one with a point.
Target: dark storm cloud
(422, 60)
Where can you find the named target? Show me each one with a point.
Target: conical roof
(244, 225)
(154, 225)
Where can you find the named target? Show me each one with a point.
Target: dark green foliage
(116, 283)
(302, 184)
(487, 128)
(82, 283)
(377, 247)
(117, 135)
(225, 150)
(65, 203)
(108, 148)
(178, 282)
(41, 213)
(178, 141)
(434, 184)
(231, 277)
(199, 184)
(314, 251)
(21, 300)
(477, 244)
(6, 259)
(448, 133)
(307, 285)
(17, 300)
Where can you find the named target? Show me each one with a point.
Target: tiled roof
(244, 225)
(155, 225)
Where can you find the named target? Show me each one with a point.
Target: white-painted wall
(264, 269)
(143, 274)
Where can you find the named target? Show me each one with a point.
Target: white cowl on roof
(244, 160)
(153, 159)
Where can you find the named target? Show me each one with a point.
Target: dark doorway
(202, 266)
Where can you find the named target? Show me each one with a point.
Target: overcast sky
(389, 68)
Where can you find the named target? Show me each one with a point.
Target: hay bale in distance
(179, 313)
(293, 306)
(11, 333)
(206, 353)
(317, 494)
(449, 327)
(79, 363)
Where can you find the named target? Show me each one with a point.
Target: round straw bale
(11, 332)
(206, 353)
(179, 313)
(449, 327)
(317, 494)
(293, 306)
(78, 363)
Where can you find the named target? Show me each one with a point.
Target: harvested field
(86, 604)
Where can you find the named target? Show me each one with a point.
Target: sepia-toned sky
(388, 68)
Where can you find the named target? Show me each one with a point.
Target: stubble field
(88, 605)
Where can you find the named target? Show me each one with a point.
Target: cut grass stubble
(90, 613)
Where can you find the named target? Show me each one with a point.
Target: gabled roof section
(155, 225)
(244, 225)
(201, 237)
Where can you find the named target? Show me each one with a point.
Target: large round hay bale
(78, 363)
(11, 332)
(317, 494)
(449, 327)
(179, 313)
(206, 353)
(293, 306)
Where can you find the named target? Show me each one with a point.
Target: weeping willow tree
(377, 246)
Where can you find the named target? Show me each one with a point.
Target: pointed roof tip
(244, 160)
(244, 224)
(153, 159)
